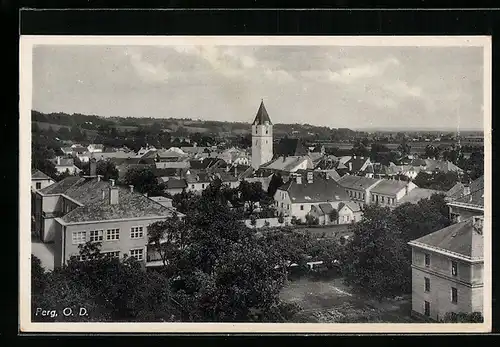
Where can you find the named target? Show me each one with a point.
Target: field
(331, 301)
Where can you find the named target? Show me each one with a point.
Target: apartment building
(76, 210)
(447, 270)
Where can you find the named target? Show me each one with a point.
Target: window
(454, 268)
(301, 207)
(281, 205)
(373, 198)
(136, 232)
(79, 237)
(288, 206)
(363, 196)
(267, 132)
(96, 235)
(192, 186)
(112, 254)
(38, 185)
(427, 284)
(203, 186)
(427, 308)
(137, 253)
(454, 295)
(112, 234)
(427, 260)
(382, 199)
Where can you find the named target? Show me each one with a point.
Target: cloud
(232, 62)
(350, 74)
(148, 72)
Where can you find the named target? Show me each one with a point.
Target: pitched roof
(463, 239)
(262, 116)
(417, 194)
(61, 186)
(200, 177)
(389, 187)
(39, 175)
(356, 163)
(440, 165)
(326, 208)
(320, 190)
(286, 163)
(456, 191)
(289, 147)
(353, 206)
(356, 182)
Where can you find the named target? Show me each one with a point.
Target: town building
(297, 196)
(349, 212)
(65, 165)
(262, 138)
(447, 270)
(76, 210)
(39, 180)
(467, 202)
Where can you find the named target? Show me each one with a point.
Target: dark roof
(357, 163)
(464, 238)
(261, 117)
(200, 177)
(175, 183)
(168, 172)
(290, 147)
(456, 191)
(39, 175)
(326, 208)
(320, 190)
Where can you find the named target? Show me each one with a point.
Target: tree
(404, 148)
(334, 216)
(253, 221)
(251, 193)
(359, 149)
(376, 260)
(168, 237)
(107, 169)
(143, 179)
(281, 219)
(274, 184)
(311, 220)
(438, 180)
(462, 317)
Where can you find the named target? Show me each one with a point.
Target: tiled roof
(356, 182)
(201, 177)
(39, 175)
(168, 172)
(262, 116)
(389, 187)
(290, 147)
(89, 192)
(320, 190)
(61, 186)
(456, 191)
(417, 194)
(356, 163)
(464, 238)
(440, 165)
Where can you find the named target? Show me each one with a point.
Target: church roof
(289, 147)
(262, 117)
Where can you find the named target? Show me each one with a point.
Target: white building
(262, 138)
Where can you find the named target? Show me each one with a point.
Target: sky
(341, 87)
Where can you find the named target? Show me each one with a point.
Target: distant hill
(183, 126)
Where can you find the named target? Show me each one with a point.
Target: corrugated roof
(464, 238)
(262, 116)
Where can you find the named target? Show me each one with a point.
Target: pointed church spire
(262, 116)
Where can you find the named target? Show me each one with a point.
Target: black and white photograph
(219, 184)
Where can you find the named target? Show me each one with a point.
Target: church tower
(262, 138)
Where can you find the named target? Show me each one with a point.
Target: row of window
(454, 264)
(454, 299)
(356, 195)
(257, 143)
(383, 199)
(79, 237)
(454, 291)
(137, 253)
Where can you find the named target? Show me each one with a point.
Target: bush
(461, 317)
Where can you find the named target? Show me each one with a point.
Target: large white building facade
(262, 138)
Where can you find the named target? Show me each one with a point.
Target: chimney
(112, 181)
(131, 188)
(92, 167)
(350, 166)
(298, 179)
(58, 160)
(113, 195)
